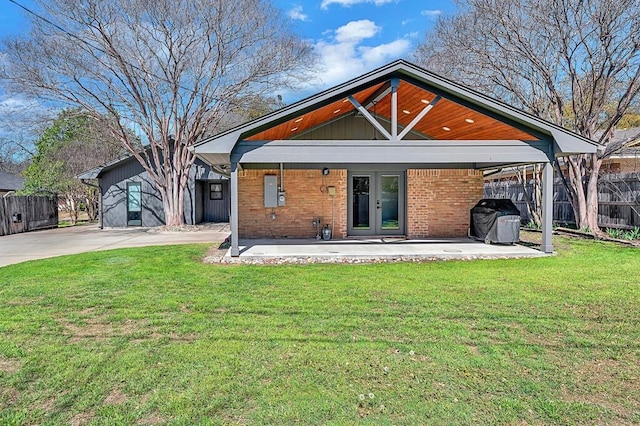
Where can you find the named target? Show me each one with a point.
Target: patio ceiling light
(446, 129)
(298, 120)
(424, 101)
(406, 111)
(294, 129)
(336, 111)
(469, 120)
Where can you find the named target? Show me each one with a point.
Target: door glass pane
(360, 202)
(134, 204)
(389, 196)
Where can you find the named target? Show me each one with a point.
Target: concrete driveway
(18, 248)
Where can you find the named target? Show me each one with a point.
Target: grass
(152, 336)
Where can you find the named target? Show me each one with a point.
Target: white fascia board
(364, 152)
(567, 144)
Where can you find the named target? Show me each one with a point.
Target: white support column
(235, 250)
(547, 208)
(394, 108)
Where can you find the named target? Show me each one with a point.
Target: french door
(376, 203)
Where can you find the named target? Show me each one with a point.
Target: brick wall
(306, 199)
(438, 201)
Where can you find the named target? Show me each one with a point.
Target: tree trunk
(92, 201)
(173, 201)
(585, 207)
(592, 196)
(533, 198)
(72, 207)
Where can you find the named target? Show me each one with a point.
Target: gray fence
(27, 213)
(618, 199)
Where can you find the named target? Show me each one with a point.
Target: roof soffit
(448, 119)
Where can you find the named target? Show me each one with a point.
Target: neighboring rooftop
(9, 182)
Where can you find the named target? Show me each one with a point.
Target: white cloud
(413, 34)
(297, 15)
(345, 55)
(346, 3)
(16, 104)
(382, 53)
(356, 31)
(23, 119)
(406, 21)
(431, 13)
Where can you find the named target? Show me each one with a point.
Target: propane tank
(326, 232)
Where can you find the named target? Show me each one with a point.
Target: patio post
(547, 208)
(395, 83)
(235, 250)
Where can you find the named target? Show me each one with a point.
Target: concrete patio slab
(375, 249)
(18, 248)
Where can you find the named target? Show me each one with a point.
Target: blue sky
(350, 37)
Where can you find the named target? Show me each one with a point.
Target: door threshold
(377, 237)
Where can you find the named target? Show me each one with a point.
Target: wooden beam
(418, 117)
(378, 95)
(370, 118)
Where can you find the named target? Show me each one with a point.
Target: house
(10, 183)
(627, 158)
(398, 151)
(128, 197)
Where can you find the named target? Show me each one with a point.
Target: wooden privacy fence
(27, 213)
(618, 199)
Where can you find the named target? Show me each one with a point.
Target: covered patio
(373, 250)
(397, 153)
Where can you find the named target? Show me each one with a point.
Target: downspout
(281, 177)
(100, 223)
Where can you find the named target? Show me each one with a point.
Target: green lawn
(152, 336)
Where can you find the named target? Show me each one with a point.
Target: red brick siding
(306, 199)
(438, 201)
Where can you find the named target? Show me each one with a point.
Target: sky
(350, 37)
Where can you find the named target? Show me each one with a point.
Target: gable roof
(461, 114)
(9, 182)
(97, 171)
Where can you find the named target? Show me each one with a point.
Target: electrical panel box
(282, 199)
(271, 191)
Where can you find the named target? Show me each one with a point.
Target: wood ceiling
(447, 120)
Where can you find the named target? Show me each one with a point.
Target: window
(134, 204)
(215, 191)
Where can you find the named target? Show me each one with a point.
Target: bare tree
(168, 69)
(573, 62)
(22, 121)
